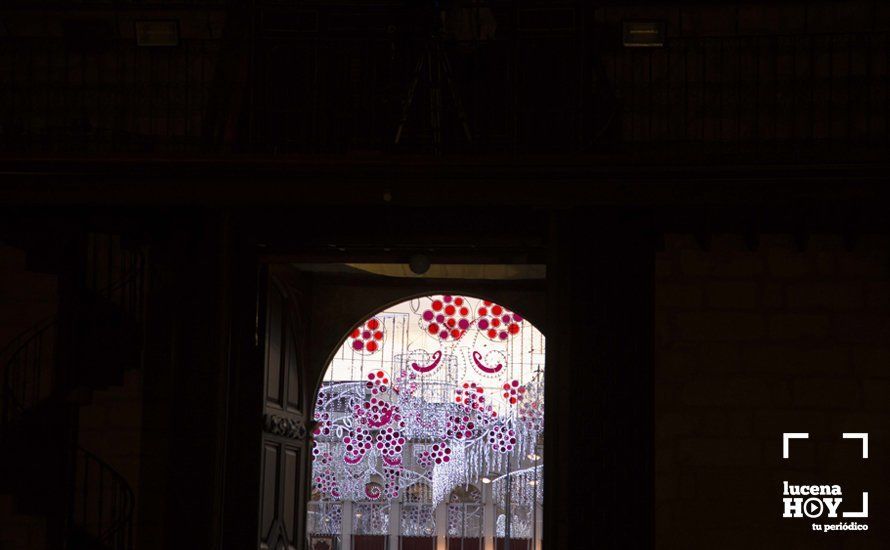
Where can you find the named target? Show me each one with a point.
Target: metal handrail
(15, 399)
(16, 362)
(19, 384)
(13, 345)
(111, 525)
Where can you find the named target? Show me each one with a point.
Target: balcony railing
(318, 79)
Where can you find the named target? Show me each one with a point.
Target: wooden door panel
(290, 503)
(284, 433)
(291, 362)
(270, 484)
(274, 326)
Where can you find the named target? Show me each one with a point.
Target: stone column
(346, 526)
(488, 518)
(441, 525)
(395, 524)
(600, 379)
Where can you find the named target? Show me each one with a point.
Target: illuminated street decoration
(441, 391)
(368, 338)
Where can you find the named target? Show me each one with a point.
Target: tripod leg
(455, 96)
(409, 99)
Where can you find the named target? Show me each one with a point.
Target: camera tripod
(433, 63)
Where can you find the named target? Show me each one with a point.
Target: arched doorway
(428, 431)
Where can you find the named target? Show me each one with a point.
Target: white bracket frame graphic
(791, 435)
(787, 436)
(863, 437)
(864, 512)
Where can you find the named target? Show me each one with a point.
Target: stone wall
(790, 335)
(26, 297)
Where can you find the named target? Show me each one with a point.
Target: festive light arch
(443, 391)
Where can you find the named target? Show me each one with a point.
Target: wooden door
(283, 460)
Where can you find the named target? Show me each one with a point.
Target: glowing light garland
(442, 393)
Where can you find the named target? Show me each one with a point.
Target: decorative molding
(285, 427)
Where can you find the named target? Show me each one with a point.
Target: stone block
(798, 326)
(720, 326)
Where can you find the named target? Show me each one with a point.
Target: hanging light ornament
(447, 406)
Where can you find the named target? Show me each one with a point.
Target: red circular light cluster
(474, 413)
(461, 427)
(376, 413)
(440, 453)
(447, 317)
(323, 427)
(513, 392)
(389, 445)
(358, 442)
(502, 439)
(368, 338)
(377, 382)
(472, 396)
(496, 322)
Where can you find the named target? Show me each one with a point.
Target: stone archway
(440, 391)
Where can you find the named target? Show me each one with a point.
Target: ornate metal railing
(348, 75)
(755, 88)
(102, 503)
(115, 274)
(27, 363)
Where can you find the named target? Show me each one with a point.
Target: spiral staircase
(53, 492)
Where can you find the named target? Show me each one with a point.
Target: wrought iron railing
(55, 100)
(27, 363)
(324, 86)
(757, 88)
(102, 503)
(115, 273)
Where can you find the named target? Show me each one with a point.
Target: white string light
(443, 391)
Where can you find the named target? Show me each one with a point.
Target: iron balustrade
(27, 363)
(808, 87)
(101, 504)
(317, 78)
